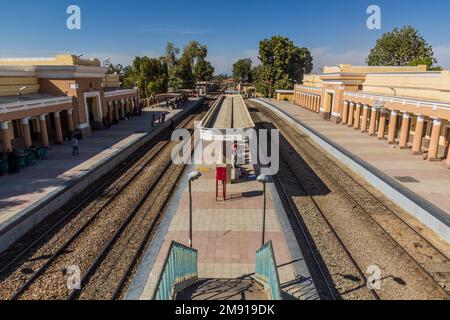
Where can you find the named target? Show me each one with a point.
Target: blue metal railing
(180, 271)
(267, 272)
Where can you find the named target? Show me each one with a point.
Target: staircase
(224, 289)
(179, 279)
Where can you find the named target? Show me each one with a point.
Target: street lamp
(263, 179)
(195, 175)
(19, 93)
(106, 61)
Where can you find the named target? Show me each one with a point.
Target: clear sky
(335, 31)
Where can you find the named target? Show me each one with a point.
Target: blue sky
(335, 31)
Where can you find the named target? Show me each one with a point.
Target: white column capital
(420, 118)
(437, 122)
(406, 115)
(4, 125)
(26, 120)
(366, 106)
(394, 113)
(69, 112)
(42, 117)
(56, 114)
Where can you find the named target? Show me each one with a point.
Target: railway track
(102, 238)
(351, 228)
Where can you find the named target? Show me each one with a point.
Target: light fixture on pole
(106, 61)
(195, 175)
(263, 179)
(19, 93)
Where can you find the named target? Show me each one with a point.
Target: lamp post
(195, 175)
(263, 179)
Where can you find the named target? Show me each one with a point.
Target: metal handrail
(267, 271)
(180, 271)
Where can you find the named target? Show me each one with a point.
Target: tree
(242, 70)
(401, 47)
(181, 75)
(190, 67)
(283, 64)
(149, 74)
(203, 71)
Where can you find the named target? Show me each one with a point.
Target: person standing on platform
(75, 150)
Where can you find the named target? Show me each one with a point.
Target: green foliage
(150, 75)
(242, 70)
(203, 70)
(154, 76)
(401, 47)
(283, 64)
(191, 67)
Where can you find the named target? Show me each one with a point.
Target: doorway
(94, 114)
(447, 142)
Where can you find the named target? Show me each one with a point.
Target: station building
(45, 100)
(408, 106)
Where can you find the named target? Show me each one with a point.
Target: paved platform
(22, 193)
(231, 113)
(227, 236)
(431, 180)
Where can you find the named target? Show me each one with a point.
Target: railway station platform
(227, 236)
(26, 198)
(420, 187)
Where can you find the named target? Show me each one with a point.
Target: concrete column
(392, 127)
(308, 101)
(26, 132)
(365, 116)
(351, 114)
(404, 133)
(358, 116)
(434, 141)
(382, 125)
(447, 162)
(70, 122)
(319, 101)
(6, 137)
(110, 112)
(373, 122)
(58, 128)
(418, 136)
(345, 115)
(116, 110)
(122, 110)
(44, 132)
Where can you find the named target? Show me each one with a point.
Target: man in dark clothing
(75, 150)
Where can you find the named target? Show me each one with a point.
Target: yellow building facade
(408, 106)
(44, 100)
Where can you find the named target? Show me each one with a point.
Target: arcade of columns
(117, 110)
(382, 123)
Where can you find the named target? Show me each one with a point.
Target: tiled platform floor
(19, 191)
(433, 178)
(226, 234)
